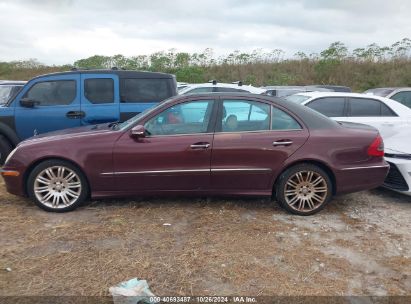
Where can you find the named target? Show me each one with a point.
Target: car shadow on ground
(388, 194)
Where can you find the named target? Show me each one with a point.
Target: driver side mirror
(138, 131)
(28, 103)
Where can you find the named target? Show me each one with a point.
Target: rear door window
(144, 90)
(329, 106)
(245, 115)
(99, 90)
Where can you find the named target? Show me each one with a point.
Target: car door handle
(390, 124)
(283, 142)
(200, 146)
(75, 114)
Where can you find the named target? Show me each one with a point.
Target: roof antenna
(214, 82)
(239, 83)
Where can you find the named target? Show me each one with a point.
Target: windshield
(133, 120)
(297, 98)
(5, 93)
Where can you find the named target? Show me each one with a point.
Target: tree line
(361, 68)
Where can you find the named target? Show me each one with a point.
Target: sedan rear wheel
(304, 189)
(57, 186)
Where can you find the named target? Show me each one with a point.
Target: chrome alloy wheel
(57, 187)
(305, 191)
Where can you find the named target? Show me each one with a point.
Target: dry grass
(359, 245)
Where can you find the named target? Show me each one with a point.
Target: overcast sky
(62, 31)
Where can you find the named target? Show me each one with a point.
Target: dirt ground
(359, 245)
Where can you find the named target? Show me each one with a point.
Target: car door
(175, 153)
(375, 113)
(99, 98)
(251, 143)
(53, 99)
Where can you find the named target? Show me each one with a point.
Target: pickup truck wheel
(5, 149)
(57, 186)
(304, 189)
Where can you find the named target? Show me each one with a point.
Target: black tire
(5, 149)
(310, 199)
(53, 164)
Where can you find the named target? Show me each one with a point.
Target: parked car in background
(402, 95)
(81, 97)
(398, 156)
(238, 144)
(387, 115)
(9, 88)
(214, 86)
(282, 91)
(334, 88)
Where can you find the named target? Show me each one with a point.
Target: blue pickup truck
(79, 97)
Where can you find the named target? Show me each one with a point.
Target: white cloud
(62, 31)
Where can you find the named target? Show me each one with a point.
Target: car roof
(221, 85)
(336, 94)
(120, 73)
(389, 88)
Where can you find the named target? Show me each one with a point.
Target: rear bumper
(359, 178)
(399, 176)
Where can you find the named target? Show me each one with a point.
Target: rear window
(363, 107)
(144, 90)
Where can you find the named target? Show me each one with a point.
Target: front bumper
(399, 176)
(13, 179)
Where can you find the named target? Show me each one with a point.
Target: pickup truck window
(144, 90)
(53, 93)
(99, 90)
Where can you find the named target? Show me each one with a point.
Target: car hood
(70, 133)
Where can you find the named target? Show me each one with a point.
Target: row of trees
(360, 68)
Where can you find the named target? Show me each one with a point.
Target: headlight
(10, 155)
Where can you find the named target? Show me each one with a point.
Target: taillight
(377, 147)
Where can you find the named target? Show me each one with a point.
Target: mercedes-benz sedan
(230, 144)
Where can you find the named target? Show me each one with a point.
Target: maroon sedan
(222, 144)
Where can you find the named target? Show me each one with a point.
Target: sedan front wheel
(304, 189)
(57, 186)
